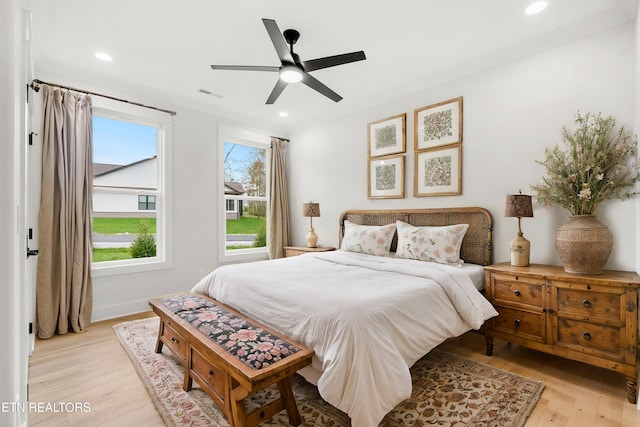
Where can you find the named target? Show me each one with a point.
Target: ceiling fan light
(290, 74)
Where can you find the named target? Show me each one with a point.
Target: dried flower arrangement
(599, 163)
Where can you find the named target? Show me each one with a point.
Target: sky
(237, 162)
(121, 143)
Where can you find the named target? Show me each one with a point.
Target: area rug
(447, 391)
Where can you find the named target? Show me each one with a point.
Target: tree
(256, 171)
(145, 244)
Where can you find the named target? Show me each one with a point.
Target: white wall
(511, 114)
(143, 174)
(116, 202)
(13, 358)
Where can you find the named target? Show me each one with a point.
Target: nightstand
(299, 250)
(590, 318)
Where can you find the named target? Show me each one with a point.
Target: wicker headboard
(477, 245)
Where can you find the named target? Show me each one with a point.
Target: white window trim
(232, 134)
(164, 230)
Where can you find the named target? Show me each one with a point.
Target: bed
(374, 307)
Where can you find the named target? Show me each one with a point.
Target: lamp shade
(518, 205)
(311, 210)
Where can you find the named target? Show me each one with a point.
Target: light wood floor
(92, 367)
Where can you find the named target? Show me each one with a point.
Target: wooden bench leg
(238, 412)
(284, 386)
(187, 383)
(159, 342)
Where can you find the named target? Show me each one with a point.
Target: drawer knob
(586, 303)
(517, 293)
(586, 336)
(516, 323)
(175, 340)
(211, 372)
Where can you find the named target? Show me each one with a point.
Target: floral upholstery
(187, 303)
(368, 239)
(247, 342)
(435, 244)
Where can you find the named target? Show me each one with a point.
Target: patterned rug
(447, 391)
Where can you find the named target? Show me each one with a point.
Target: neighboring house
(125, 190)
(234, 206)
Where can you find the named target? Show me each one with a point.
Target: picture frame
(385, 177)
(438, 124)
(438, 172)
(387, 136)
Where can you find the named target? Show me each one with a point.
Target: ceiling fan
(292, 69)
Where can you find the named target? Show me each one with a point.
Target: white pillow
(435, 244)
(367, 239)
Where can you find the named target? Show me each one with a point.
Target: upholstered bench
(229, 355)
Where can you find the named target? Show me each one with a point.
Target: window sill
(244, 255)
(111, 268)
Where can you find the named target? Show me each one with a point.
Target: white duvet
(368, 318)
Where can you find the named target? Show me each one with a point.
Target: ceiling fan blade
(245, 67)
(277, 90)
(332, 61)
(278, 40)
(315, 84)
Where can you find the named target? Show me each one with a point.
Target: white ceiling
(166, 47)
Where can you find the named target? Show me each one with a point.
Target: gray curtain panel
(279, 211)
(63, 283)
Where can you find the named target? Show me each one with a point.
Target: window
(244, 192)
(130, 192)
(146, 203)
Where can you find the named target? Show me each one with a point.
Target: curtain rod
(279, 137)
(34, 85)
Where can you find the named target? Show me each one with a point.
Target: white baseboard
(119, 310)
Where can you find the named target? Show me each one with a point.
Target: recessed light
(535, 7)
(103, 56)
(284, 114)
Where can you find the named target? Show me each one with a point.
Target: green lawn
(111, 254)
(246, 225)
(121, 225)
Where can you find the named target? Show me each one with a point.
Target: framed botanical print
(386, 177)
(438, 172)
(438, 124)
(387, 136)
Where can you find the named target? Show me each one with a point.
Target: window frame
(163, 122)
(252, 139)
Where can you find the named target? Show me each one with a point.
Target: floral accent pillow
(367, 239)
(435, 244)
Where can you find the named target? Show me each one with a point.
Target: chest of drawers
(593, 319)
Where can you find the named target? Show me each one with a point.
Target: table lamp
(519, 206)
(311, 210)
